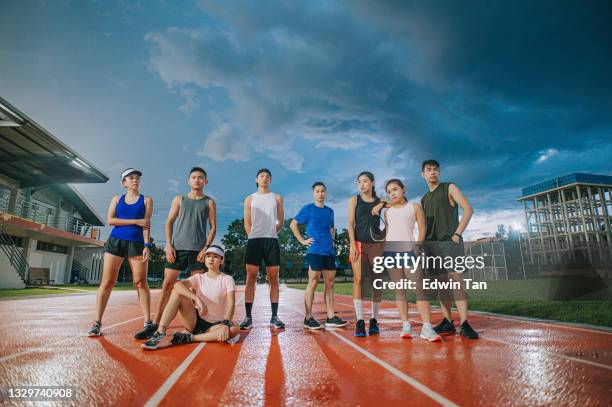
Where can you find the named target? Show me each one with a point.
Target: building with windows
(48, 231)
(568, 220)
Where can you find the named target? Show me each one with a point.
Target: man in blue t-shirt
(321, 258)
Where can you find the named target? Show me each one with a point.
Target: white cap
(216, 250)
(130, 171)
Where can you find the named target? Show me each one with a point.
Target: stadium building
(48, 232)
(568, 220)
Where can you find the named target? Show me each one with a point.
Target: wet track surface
(516, 362)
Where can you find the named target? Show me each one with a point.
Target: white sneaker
(407, 333)
(428, 333)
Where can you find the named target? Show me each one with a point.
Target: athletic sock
(248, 306)
(375, 307)
(358, 311)
(274, 308)
(406, 325)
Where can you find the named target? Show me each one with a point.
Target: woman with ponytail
(364, 230)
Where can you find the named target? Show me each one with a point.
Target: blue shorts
(320, 262)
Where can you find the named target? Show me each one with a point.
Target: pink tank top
(400, 223)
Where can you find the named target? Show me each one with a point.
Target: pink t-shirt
(213, 293)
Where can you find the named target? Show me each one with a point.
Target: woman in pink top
(400, 218)
(206, 312)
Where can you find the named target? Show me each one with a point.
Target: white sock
(427, 325)
(358, 311)
(375, 307)
(406, 325)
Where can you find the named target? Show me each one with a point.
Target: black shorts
(202, 325)
(262, 248)
(320, 262)
(123, 248)
(443, 249)
(186, 260)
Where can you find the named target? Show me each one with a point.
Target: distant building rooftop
(569, 179)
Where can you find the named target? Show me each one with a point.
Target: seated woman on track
(207, 313)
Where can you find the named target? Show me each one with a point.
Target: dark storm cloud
(502, 93)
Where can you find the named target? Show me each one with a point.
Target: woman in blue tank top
(130, 216)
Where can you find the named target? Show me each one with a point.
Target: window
(51, 248)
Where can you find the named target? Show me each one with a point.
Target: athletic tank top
(129, 211)
(189, 231)
(442, 218)
(400, 223)
(364, 220)
(263, 216)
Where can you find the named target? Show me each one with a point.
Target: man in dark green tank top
(444, 238)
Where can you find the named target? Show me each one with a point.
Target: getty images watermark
(437, 263)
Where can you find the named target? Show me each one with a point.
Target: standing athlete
(130, 216)
(186, 239)
(444, 238)
(320, 255)
(263, 219)
(364, 248)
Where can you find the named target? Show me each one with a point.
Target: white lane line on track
(547, 352)
(45, 347)
(396, 372)
(174, 377)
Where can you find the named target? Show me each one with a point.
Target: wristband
(148, 245)
(226, 322)
(458, 235)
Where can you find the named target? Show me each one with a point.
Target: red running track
(517, 362)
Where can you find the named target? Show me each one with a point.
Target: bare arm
(351, 219)
(247, 215)
(280, 213)
(174, 211)
(420, 217)
(212, 220)
(183, 288)
(148, 213)
(457, 196)
(229, 307)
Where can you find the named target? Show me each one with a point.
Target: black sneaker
(158, 340)
(180, 338)
(147, 332)
(276, 323)
(360, 328)
(373, 329)
(467, 331)
(312, 323)
(247, 323)
(335, 322)
(95, 329)
(445, 327)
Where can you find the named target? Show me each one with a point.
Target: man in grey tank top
(186, 239)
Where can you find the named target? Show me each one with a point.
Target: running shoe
(360, 328)
(373, 329)
(467, 331)
(312, 323)
(407, 333)
(445, 327)
(428, 333)
(95, 329)
(247, 323)
(276, 323)
(180, 338)
(158, 340)
(147, 332)
(335, 322)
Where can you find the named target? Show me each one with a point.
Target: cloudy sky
(503, 94)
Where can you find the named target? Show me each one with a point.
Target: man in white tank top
(263, 219)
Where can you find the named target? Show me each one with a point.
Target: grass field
(527, 298)
(67, 289)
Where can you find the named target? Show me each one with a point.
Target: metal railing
(82, 270)
(15, 256)
(46, 215)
